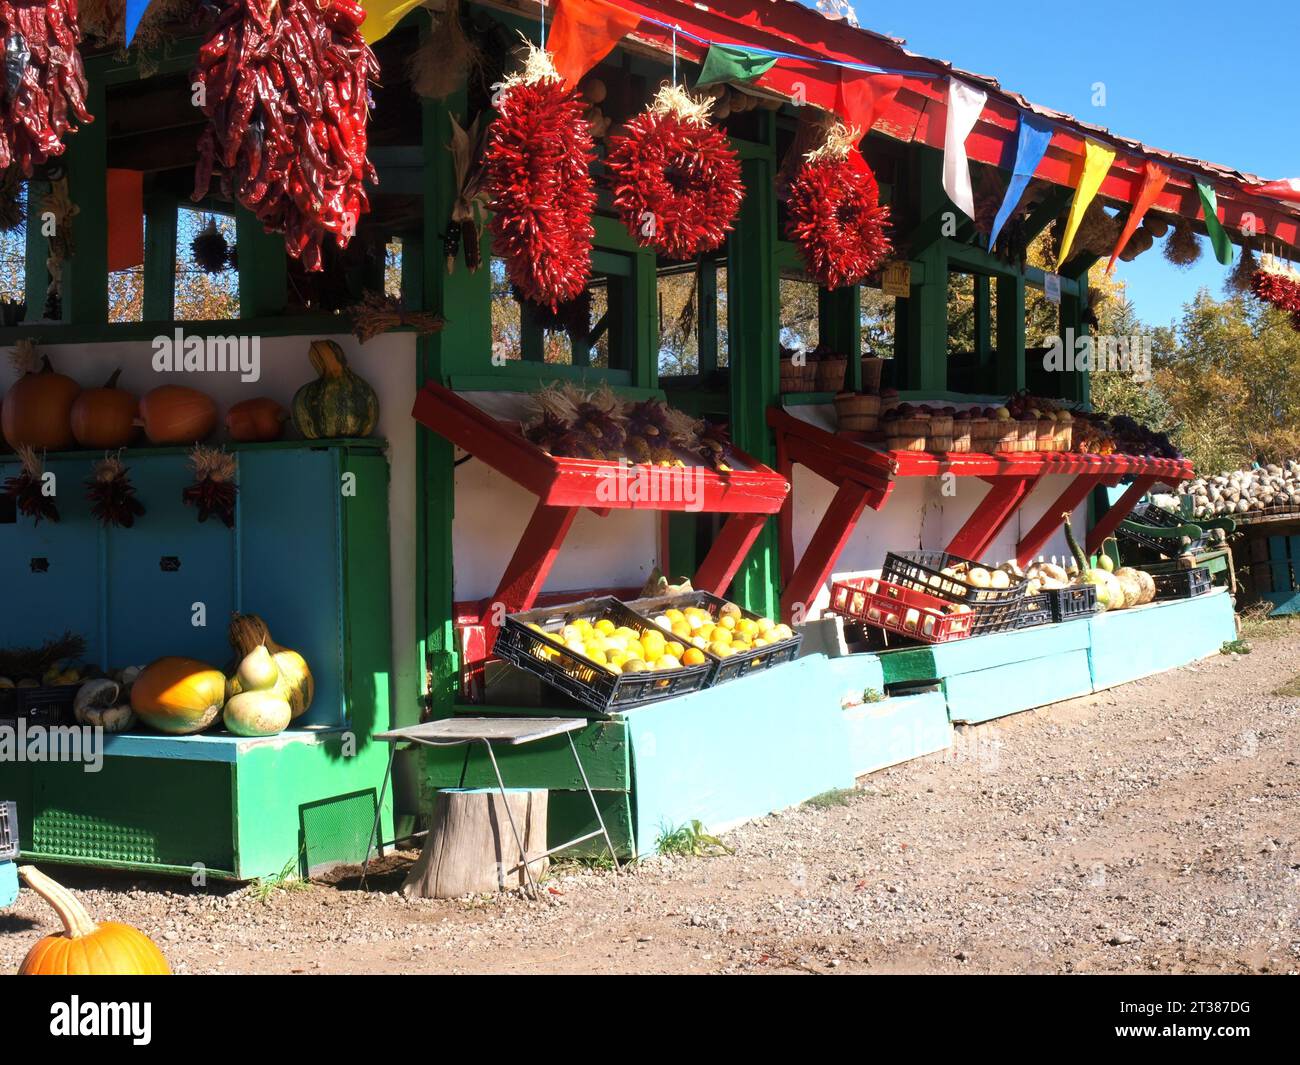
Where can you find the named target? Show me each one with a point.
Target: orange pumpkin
(256, 420)
(38, 410)
(178, 695)
(174, 414)
(104, 417)
(85, 948)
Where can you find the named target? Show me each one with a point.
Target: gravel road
(1149, 828)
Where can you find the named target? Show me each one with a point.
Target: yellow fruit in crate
(674, 614)
(784, 632)
(721, 650)
(668, 662)
(635, 665)
(700, 642)
(535, 627)
(760, 642)
(729, 610)
(693, 657)
(705, 630)
(605, 627)
(653, 654)
(618, 660)
(616, 643)
(596, 654)
(673, 648)
(766, 625)
(571, 633)
(747, 627)
(696, 622)
(634, 648)
(663, 621)
(625, 632)
(682, 629)
(727, 621)
(723, 635)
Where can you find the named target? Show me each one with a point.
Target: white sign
(1052, 287)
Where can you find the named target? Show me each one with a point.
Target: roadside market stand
(395, 589)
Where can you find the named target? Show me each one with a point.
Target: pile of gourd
(1245, 492)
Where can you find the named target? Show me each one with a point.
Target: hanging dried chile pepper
(43, 80)
(285, 85)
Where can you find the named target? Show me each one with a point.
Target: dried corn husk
(1182, 248)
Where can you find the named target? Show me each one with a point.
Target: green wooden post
(464, 345)
(839, 325)
(160, 259)
(983, 321)
(752, 316)
(1009, 364)
(926, 367)
(643, 358)
(1074, 385)
(85, 274)
(37, 250)
(263, 277)
(706, 297)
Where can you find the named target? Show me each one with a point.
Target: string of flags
(584, 32)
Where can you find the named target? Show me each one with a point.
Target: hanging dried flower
(32, 494)
(1244, 268)
(214, 490)
(378, 313)
(112, 495)
(210, 249)
(1182, 248)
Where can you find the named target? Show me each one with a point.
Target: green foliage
(828, 799)
(689, 841)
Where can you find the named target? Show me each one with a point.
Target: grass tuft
(287, 879)
(834, 797)
(689, 841)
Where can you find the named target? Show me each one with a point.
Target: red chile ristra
(42, 80)
(285, 83)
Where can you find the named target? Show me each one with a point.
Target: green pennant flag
(727, 62)
(1218, 235)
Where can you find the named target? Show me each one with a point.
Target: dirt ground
(1149, 828)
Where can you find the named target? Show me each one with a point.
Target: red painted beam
(785, 517)
(728, 552)
(991, 516)
(1119, 510)
(529, 566)
(1075, 493)
(824, 549)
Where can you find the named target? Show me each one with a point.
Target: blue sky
(1203, 79)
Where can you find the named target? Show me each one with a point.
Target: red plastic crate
(890, 607)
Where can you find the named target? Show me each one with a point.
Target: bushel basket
(545, 656)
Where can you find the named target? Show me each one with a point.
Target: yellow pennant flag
(383, 15)
(1096, 162)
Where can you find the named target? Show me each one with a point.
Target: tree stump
(471, 849)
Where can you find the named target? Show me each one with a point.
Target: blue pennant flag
(1035, 135)
(135, 10)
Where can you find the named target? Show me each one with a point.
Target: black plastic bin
(8, 831)
(46, 706)
(738, 665)
(1183, 583)
(1035, 610)
(578, 677)
(1077, 601)
(994, 609)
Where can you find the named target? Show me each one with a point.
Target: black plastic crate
(1148, 513)
(582, 680)
(1035, 610)
(1077, 601)
(737, 665)
(994, 609)
(40, 706)
(8, 831)
(1183, 583)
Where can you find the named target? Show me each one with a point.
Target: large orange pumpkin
(178, 695)
(256, 420)
(38, 410)
(85, 948)
(104, 417)
(174, 414)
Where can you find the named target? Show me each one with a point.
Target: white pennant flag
(964, 106)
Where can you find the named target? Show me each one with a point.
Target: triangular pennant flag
(135, 10)
(383, 15)
(1286, 189)
(1218, 235)
(730, 62)
(1154, 179)
(965, 103)
(584, 33)
(1096, 162)
(1032, 139)
(861, 98)
(125, 219)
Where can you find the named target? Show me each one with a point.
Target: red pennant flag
(125, 219)
(586, 31)
(861, 98)
(1286, 189)
(1154, 179)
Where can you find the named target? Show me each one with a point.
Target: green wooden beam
(263, 269)
(642, 358)
(160, 259)
(983, 321)
(1009, 361)
(839, 325)
(1056, 200)
(37, 273)
(85, 274)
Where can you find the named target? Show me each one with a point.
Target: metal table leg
(379, 813)
(595, 808)
(523, 854)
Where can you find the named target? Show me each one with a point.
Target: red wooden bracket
(824, 548)
(1119, 510)
(991, 516)
(529, 566)
(1075, 493)
(785, 516)
(728, 552)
